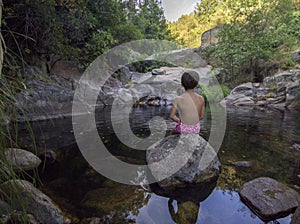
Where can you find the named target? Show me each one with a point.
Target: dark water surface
(263, 138)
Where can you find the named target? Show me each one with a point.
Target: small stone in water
(241, 164)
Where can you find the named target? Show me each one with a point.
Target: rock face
(187, 58)
(269, 198)
(210, 37)
(277, 91)
(52, 96)
(184, 160)
(44, 98)
(36, 203)
(21, 159)
(146, 89)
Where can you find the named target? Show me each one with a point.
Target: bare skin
(190, 106)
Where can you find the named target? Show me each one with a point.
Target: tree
(186, 31)
(257, 35)
(207, 15)
(150, 20)
(78, 30)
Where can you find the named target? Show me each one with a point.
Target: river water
(263, 138)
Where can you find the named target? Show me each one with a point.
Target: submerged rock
(269, 199)
(49, 156)
(35, 202)
(93, 220)
(21, 159)
(114, 202)
(179, 161)
(241, 164)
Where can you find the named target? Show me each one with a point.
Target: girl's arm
(202, 111)
(173, 111)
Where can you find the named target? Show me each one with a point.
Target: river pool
(264, 138)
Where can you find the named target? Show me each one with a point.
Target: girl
(190, 106)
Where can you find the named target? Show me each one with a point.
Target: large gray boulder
(21, 160)
(179, 161)
(46, 98)
(269, 199)
(187, 58)
(149, 89)
(210, 37)
(35, 202)
(278, 91)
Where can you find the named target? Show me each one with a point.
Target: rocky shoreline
(51, 96)
(275, 92)
(38, 206)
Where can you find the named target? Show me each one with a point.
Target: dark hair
(189, 80)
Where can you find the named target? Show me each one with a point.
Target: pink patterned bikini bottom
(187, 129)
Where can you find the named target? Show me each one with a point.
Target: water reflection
(187, 211)
(187, 200)
(264, 138)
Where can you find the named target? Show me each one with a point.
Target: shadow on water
(261, 139)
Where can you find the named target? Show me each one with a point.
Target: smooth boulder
(35, 202)
(179, 161)
(21, 159)
(269, 199)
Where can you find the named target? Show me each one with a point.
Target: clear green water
(263, 138)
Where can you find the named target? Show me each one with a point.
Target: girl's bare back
(190, 106)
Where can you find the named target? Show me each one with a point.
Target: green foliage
(208, 14)
(226, 90)
(150, 20)
(214, 93)
(186, 31)
(260, 35)
(293, 21)
(78, 30)
(8, 139)
(155, 64)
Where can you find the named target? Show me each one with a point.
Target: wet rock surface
(36, 203)
(269, 199)
(179, 161)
